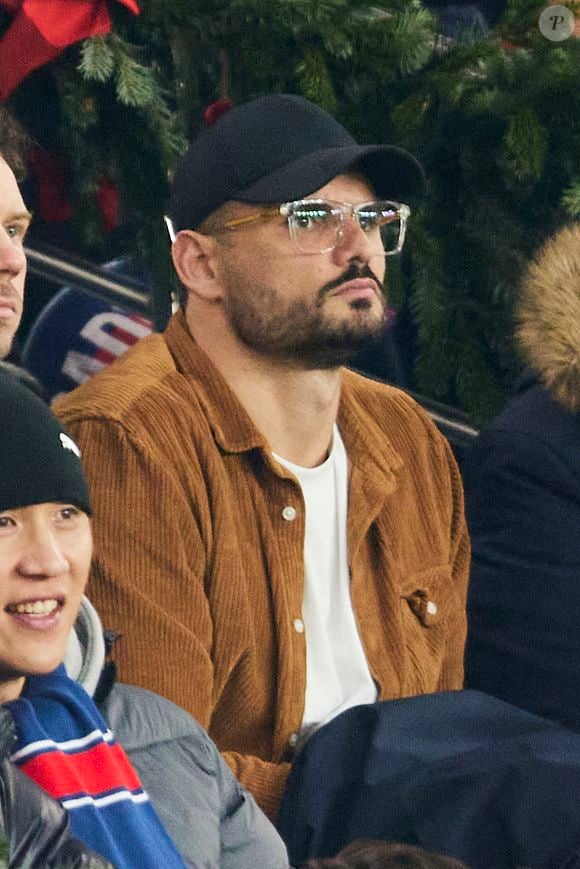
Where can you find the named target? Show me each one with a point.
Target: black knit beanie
(39, 462)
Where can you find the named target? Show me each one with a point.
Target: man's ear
(192, 255)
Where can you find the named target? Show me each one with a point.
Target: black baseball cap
(278, 148)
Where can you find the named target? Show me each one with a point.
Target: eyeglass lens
(316, 225)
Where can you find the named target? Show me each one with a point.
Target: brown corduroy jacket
(201, 569)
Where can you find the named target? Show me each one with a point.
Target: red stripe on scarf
(95, 771)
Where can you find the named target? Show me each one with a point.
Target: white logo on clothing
(69, 444)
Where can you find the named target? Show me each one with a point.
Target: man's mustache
(354, 271)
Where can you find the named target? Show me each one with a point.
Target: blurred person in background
(374, 854)
(14, 221)
(522, 484)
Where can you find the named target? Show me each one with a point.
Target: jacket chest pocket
(428, 603)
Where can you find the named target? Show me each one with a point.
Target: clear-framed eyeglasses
(318, 225)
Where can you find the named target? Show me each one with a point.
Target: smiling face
(311, 310)
(45, 555)
(14, 221)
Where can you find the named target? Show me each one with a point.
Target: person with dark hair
(166, 798)
(523, 498)
(288, 535)
(14, 221)
(14, 143)
(374, 854)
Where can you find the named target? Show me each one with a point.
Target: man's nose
(43, 557)
(12, 257)
(355, 244)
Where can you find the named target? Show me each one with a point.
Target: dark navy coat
(522, 484)
(459, 773)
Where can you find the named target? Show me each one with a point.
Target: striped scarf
(64, 745)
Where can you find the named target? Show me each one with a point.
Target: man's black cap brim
(393, 173)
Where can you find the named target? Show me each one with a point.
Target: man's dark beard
(298, 334)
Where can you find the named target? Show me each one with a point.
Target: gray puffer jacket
(212, 820)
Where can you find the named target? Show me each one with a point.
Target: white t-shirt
(337, 672)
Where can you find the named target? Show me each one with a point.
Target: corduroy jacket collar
(232, 426)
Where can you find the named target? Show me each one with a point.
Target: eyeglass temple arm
(250, 218)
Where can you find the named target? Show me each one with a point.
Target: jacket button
(289, 513)
(299, 626)
(293, 740)
(432, 608)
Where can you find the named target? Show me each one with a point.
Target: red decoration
(42, 29)
(108, 200)
(51, 174)
(215, 111)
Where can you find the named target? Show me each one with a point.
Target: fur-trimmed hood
(549, 316)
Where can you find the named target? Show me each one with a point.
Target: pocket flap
(430, 594)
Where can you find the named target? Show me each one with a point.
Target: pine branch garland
(526, 143)
(135, 83)
(314, 79)
(477, 385)
(571, 198)
(412, 39)
(495, 121)
(97, 59)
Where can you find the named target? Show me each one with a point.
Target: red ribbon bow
(51, 173)
(42, 29)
